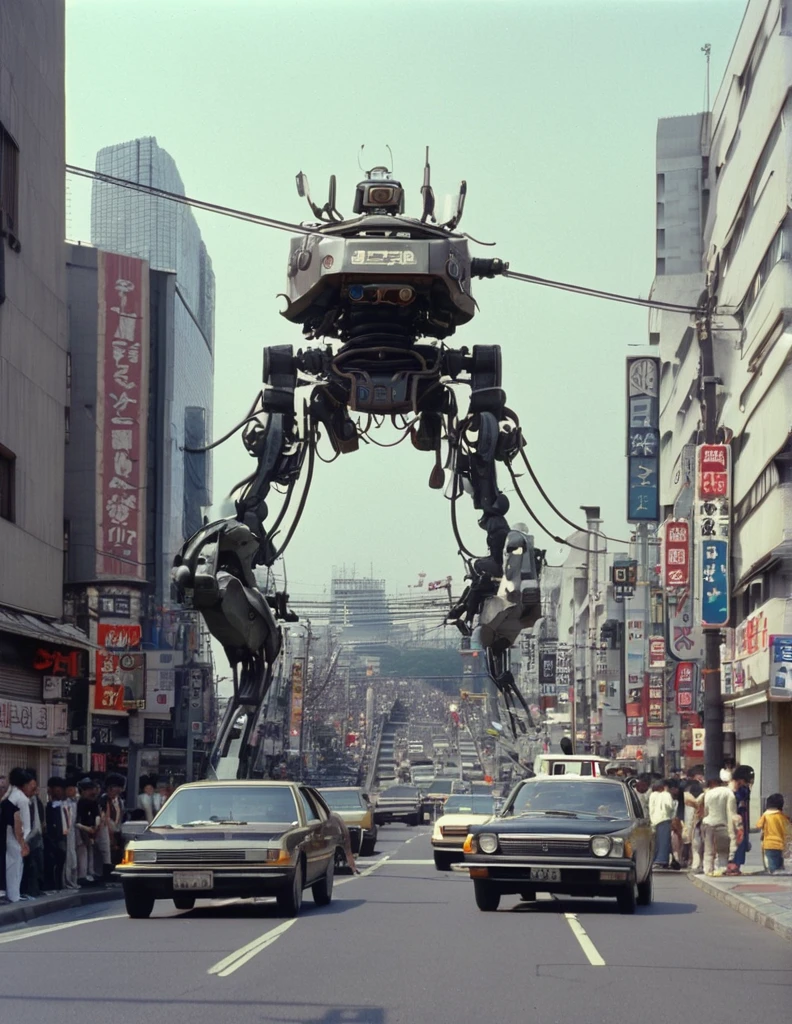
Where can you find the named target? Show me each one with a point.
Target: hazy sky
(547, 109)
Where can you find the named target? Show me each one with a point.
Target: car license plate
(545, 874)
(193, 880)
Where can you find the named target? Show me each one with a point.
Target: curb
(743, 907)
(29, 910)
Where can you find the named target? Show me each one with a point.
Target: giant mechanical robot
(379, 293)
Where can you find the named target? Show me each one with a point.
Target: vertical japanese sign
(121, 416)
(676, 553)
(547, 673)
(713, 527)
(643, 439)
(684, 686)
(118, 681)
(781, 667)
(295, 718)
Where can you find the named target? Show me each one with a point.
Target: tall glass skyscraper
(166, 235)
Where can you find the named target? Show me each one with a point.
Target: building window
(7, 473)
(9, 185)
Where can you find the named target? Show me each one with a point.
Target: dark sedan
(561, 834)
(398, 803)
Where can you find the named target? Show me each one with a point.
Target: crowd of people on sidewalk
(68, 840)
(703, 825)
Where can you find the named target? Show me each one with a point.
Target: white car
(451, 828)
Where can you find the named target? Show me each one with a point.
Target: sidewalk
(765, 899)
(67, 899)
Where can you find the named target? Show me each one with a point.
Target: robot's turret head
(379, 194)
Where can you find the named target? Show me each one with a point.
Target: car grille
(532, 846)
(453, 830)
(218, 856)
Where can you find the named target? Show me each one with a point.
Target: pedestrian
(741, 782)
(15, 823)
(661, 811)
(149, 799)
(55, 834)
(678, 796)
(69, 808)
(87, 822)
(692, 840)
(717, 825)
(642, 792)
(33, 874)
(775, 826)
(108, 835)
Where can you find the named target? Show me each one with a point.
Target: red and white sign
(684, 685)
(117, 641)
(657, 655)
(713, 474)
(676, 553)
(121, 416)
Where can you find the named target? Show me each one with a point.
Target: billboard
(643, 439)
(713, 528)
(121, 416)
(120, 669)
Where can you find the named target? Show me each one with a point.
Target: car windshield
(569, 796)
(481, 789)
(407, 791)
(342, 799)
(216, 805)
(441, 786)
(469, 804)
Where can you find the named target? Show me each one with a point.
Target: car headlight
(617, 847)
(601, 846)
(488, 842)
(144, 856)
(269, 856)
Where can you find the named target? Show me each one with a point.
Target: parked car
(576, 835)
(451, 828)
(232, 839)
(353, 806)
(398, 803)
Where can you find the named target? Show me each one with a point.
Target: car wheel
(646, 892)
(139, 903)
(290, 899)
(442, 862)
(627, 900)
(529, 895)
(487, 897)
(184, 902)
(367, 847)
(413, 820)
(323, 890)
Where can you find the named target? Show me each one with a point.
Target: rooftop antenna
(706, 49)
(427, 193)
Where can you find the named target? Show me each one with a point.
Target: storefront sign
(547, 673)
(685, 687)
(295, 719)
(643, 439)
(161, 680)
(685, 637)
(748, 660)
(655, 701)
(57, 663)
(781, 667)
(698, 741)
(118, 687)
(24, 719)
(713, 529)
(121, 416)
(676, 553)
(563, 669)
(657, 652)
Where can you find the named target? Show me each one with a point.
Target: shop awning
(24, 624)
(747, 700)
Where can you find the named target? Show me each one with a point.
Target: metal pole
(713, 703)
(305, 694)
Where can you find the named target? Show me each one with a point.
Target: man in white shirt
(661, 811)
(18, 797)
(717, 825)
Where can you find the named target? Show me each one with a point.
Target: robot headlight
(380, 197)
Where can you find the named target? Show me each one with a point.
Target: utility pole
(713, 702)
(306, 681)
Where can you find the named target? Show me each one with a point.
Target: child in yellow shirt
(775, 827)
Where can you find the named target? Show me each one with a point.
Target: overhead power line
(300, 229)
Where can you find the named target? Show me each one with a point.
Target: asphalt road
(403, 944)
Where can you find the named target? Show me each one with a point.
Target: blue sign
(643, 494)
(714, 582)
(781, 667)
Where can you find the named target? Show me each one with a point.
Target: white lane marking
(241, 956)
(586, 944)
(404, 860)
(373, 867)
(31, 933)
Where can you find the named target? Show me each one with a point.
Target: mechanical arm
(384, 291)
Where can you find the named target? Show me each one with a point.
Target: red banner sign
(121, 414)
(657, 652)
(676, 553)
(684, 685)
(713, 475)
(118, 642)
